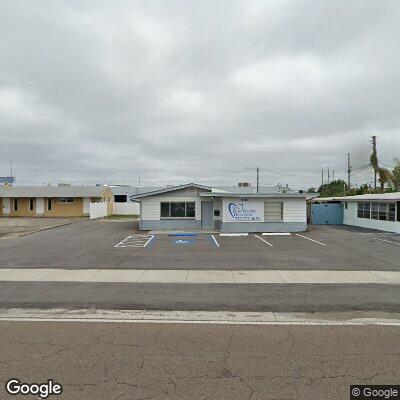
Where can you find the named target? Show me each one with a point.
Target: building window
(346, 205)
(165, 210)
(392, 212)
(382, 211)
(178, 210)
(49, 204)
(15, 204)
(217, 213)
(375, 211)
(120, 198)
(190, 210)
(364, 210)
(360, 210)
(379, 211)
(367, 210)
(31, 204)
(66, 199)
(273, 211)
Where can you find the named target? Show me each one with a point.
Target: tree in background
(396, 176)
(333, 189)
(311, 190)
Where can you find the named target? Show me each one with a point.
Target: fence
(98, 210)
(127, 208)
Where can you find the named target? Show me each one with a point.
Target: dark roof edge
(170, 189)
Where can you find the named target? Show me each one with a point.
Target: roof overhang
(255, 195)
(378, 197)
(170, 189)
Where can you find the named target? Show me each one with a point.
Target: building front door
(207, 219)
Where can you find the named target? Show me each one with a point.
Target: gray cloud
(196, 91)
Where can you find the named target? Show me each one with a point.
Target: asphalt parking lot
(118, 245)
(15, 227)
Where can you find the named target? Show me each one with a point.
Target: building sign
(244, 211)
(6, 180)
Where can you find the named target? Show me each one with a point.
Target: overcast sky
(182, 91)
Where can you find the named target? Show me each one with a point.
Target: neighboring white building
(193, 206)
(375, 211)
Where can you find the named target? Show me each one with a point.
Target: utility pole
(258, 177)
(257, 169)
(322, 177)
(328, 175)
(11, 168)
(333, 175)
(348, 170)
(376, 157)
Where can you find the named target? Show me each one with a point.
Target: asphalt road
(91, 244)
(165, 361)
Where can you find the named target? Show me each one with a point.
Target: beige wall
(58, 209)
(74, 209)
(23, 208)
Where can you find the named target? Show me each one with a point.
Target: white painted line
(122, 241)
(269, 244)
(276, 234)
(315, 241)
(215, 240)
(381, 240)
(152, 237)
(188, 317)
(233, 234)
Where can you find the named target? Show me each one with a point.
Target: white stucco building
(374, 211)
(194, 206)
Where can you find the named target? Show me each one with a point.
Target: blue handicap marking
(183, 241)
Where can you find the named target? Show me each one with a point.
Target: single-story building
(52, 201)
(375, 211)
(194, 206)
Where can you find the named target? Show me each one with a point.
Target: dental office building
(230, 210)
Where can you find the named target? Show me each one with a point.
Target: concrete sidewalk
(200, 276)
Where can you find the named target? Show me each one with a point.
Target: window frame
(31, 204)
(378, 211)
(66, 200)
(170, 209)
(282, 203)
(15, 204)
(49, 204)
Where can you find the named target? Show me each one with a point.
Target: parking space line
(215, 240)
(263, 240)
(381, 240)
(153, 236)
(122, 241)
(233, 234)
(315, 241)
(135, 241)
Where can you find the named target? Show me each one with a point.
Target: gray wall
(169, 224)
(237, 227)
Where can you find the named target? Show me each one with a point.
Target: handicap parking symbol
(182, 241)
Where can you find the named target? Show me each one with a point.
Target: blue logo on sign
(239, 213)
